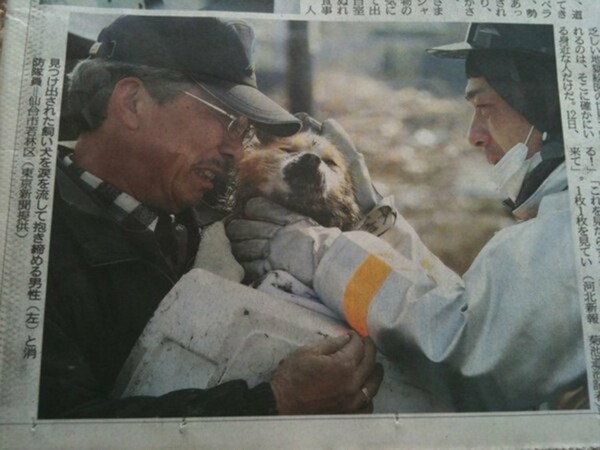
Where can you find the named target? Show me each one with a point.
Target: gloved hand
(366, 195)
(270, 237)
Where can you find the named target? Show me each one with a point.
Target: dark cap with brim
(458, 50)
(517, 61)
(250, 102)
(521, 38)
(215, 53)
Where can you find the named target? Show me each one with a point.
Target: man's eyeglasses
(238, 127)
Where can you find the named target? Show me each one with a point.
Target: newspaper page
(365, 64)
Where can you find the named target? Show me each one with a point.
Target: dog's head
(305, 173)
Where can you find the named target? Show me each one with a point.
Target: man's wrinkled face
(495, 127)
(187, 149)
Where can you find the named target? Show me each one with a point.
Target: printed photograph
(269, 217)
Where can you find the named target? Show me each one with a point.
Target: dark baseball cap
(215, 53)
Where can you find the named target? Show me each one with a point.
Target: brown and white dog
(304, 173)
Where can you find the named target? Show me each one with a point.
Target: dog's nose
(310, 161)
(303, 173)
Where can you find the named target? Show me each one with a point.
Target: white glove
(380, 219)
(270, 237)
(366, 195)
(214, 254)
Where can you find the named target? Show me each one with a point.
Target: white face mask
(508, 174)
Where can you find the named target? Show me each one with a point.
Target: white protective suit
(507, 336)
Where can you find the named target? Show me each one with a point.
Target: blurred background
(404, 109)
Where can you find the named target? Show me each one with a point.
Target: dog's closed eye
(286, 148)
(330, 162)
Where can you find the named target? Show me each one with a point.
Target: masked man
(165, 106)
(508, 335)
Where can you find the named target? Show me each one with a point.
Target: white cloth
(511, 328)
(214, 254)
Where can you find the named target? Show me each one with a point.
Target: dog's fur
(304, 173)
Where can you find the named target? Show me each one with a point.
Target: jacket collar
(548, 177)
(555, 182)
(102, 240)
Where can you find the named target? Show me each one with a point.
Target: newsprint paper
(365, 64)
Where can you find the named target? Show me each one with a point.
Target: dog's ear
(265, 138)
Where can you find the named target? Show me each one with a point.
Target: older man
(165, 106)
(508, 335)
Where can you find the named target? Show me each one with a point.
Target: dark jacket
(104, 284)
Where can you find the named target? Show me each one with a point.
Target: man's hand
(335, 376)
(270, 237)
